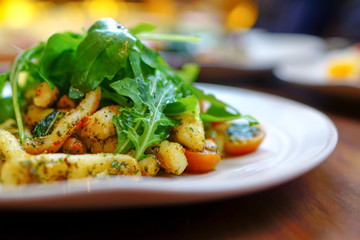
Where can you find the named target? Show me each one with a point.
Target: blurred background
(246, 34)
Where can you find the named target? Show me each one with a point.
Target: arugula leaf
(168, 37)
(153, 59)
(182, 106)
(141, 28)
(110, 98)
(47, 124)
(188, 73)
(141, 31)
(58, 59)
(27, 61)
(120, 122)
(6, 104)
(149, 126)
(129, 73)
(102, 53)
(3, 79)
(218, 110)
(6, 109)
(129, 88)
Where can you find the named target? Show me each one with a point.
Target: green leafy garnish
(141, 31)
(27, 62)
(102, 53)
(6, 109)
(188, 73)
(148, 91)
(47, 125)
(149, 125)
(168, 37)
(141, 28)
(182, 106)
(218, 111)
(3, 79)
(58, 59)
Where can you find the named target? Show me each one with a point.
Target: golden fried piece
(190, 132)
(171, 156)
(35, 114)
(100, 146)
(149, 166)
(100, 125)
(10, 146)
(66, 127)
(21, 167)
(45, 96)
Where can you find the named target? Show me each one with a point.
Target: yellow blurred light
(71, 16)
(243, 16)
(107, 8)
(17, 13)
(161, 6)
(344, 69)
(341, 70)
(344, 66)
(73, 9)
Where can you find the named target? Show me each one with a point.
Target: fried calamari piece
(66, 127)
(21, 168)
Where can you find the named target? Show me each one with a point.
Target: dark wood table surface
(322, 204)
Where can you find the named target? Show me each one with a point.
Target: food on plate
(205, 160)
(102, 103)
(344, 65)
(240, 140)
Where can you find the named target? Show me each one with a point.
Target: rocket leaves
(23, 74)
(130, 75)
(217, 111)
(58, 59)
(102, 53)
(149, 125)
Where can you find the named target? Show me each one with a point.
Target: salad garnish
(129, 73)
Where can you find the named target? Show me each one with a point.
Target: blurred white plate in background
(313, 73)
(261, 50)
(269, 49)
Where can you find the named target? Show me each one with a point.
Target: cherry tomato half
(244, 145)
(203, 161)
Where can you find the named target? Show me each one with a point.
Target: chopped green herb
(116, 165)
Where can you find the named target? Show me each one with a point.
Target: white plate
(266, 50)
(298, 139)
(257, 50)
(312, 74)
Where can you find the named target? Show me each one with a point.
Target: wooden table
(322, 204)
